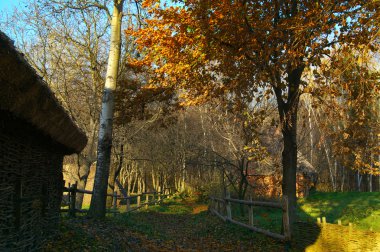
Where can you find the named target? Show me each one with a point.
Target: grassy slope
(360, 208)
(179, 225)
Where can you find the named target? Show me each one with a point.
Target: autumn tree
(209, 48)
(353, 80)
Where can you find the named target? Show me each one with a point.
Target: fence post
(73, 194)
(146, 201)
(228, 205)
(159, 196)
(285, 218)
(138, 200)
(128, 202)
(154, 197)
(114, 203)
(250, 213)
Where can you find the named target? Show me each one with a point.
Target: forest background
(176, 126)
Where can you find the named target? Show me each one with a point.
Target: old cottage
(35, 134)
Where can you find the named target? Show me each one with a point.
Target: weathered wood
(73, 193)
(138, 200)
(250, 212)
(256, 203)
(225, 205)
(218, 214)
(339, 222)
(217, 199)
(84, 191)
(114, 203)
(146, 201)
(128, 203)
(228, 206)
(323, 220)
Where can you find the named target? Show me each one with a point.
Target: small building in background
(267, 181)
(35, 134)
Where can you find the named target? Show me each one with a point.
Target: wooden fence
(219, 206)
(150, 199)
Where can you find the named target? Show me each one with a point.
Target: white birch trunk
(98, 200)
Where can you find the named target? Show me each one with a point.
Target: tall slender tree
(98, 200)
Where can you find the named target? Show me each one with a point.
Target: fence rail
(156, 197)
(219, 206)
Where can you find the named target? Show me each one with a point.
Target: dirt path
(184, 226)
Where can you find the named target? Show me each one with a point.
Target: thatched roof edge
(25, 94)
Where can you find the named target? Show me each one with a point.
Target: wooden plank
(114, 202)
(146, 201)
(259, 230)
(256, 203)
(228, 206)
(217, 199)
(73, 191)
(218, 214)
(84, 191)
(130, 197)
(250, 213)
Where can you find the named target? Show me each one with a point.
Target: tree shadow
(310, 236)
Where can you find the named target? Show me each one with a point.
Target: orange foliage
(207, 48)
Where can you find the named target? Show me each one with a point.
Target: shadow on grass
(360, 208)
(176, 226)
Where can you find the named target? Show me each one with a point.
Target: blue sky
(7, 5)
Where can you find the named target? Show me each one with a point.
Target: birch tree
(98, 200)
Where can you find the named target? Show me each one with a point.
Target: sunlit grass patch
(360, 208)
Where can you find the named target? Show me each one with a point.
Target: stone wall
(30, 184)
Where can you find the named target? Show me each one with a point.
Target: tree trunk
(114, 173)
(288, 118)
(358, 181)
(83, 166)
(289, 166)
(82, 181)
(98, 200)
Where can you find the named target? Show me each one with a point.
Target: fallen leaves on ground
(159, 229)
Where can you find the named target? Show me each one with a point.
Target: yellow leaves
(346, 135)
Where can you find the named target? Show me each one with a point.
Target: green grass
(360, 208)
(185, 223)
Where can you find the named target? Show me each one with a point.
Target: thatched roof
(25, 94)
